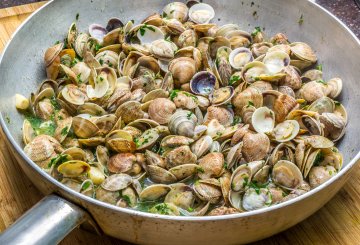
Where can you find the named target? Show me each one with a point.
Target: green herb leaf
(77, 16)
(189, 115)
(58, 160)
(98, 47)
(250, 103)
(236, 121)
(126, 199)
(174, 94)
(86, 185)
(65, 131)
(321, 81)
(319, 67)
(301, 19)
(319, 158)
(144, 27)
(234, 79)
(256, 31)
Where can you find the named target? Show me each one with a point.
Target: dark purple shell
(113, 24)
(203, 83)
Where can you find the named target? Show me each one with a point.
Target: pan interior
(22, 67)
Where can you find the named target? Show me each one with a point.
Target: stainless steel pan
(21, 69)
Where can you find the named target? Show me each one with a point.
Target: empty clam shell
(203, 83)
(201, 13)
(263, 120)
(286, 130)
(240, 57)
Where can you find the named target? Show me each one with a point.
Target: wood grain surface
(338, 222)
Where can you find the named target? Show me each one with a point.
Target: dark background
(346, 10)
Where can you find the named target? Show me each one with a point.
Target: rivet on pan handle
(48, 222)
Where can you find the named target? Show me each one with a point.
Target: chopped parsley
(101, 61)
(321, 81)
(319, 158)
(98, 47)
(234, 79)
(86, 185)
(164, 15)
(58, 160)
(161, 208)
(189, 115)
(78, 78)
(190, 209)
(319, 67)
(237, 120)
(126, 199)
(55, 103)
(225, 165)
(133, 21)
(301, 19)
(65, 131)
(246, 182)
(143, 29)
(337, 103)
(77, 16)
(250, 103)
(174, 94)
(200, 170)
(256, 186)
(172, 11)
(7, 118)
(57, 42)
(256, 31)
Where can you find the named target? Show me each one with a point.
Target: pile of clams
(176, 115)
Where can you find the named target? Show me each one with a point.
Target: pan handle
(48, 222)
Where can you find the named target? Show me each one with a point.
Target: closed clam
(211, 165)
(182, 122)
(255, 147)
(208, 190)
(179, 156)
(182, 69)
(161, 110)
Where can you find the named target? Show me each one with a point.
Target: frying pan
(22, 69)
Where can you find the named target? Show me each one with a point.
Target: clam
(321, 105)
(83, 127)
(163, 49)
(255, 199)
(120, 141)
(184, 171)
(312, 125)
(250, 96)
(222, 95)
(182, 122)
(208, 191)
(147, 139)
(73, 95)
(255, 146)
(222, 68)
(188, 38)
(130, 111)
(203, 83)
(334, 125)
(201, 13)
(161, 110)
(182, 196)
(211, 165)
(303, 51)
(320, 174)
(286, 174)
(182, 69)
(28, 132)
(202, 146)
(318, 142)
(292, 78)
(282, 105)
(184, 100)
(276, 61)
(283, 151)
(160, 175)
(116, 182)
(73, 168)
(176, 10)
(154, 192)
(312, 75)
(253, 71)
(154, 159)
(240, 57)
(121, 162)
(240, 178)
(224, 116)
(173, 141)
(286, 130)
(263, 120)
(42, 149)
(179, 156)
(334, 87)
(312, 91)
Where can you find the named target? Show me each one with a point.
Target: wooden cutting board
(338, 222)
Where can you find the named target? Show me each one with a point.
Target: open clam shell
(286, 174)
(240, 57)
(263, 120)
(201, 13)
